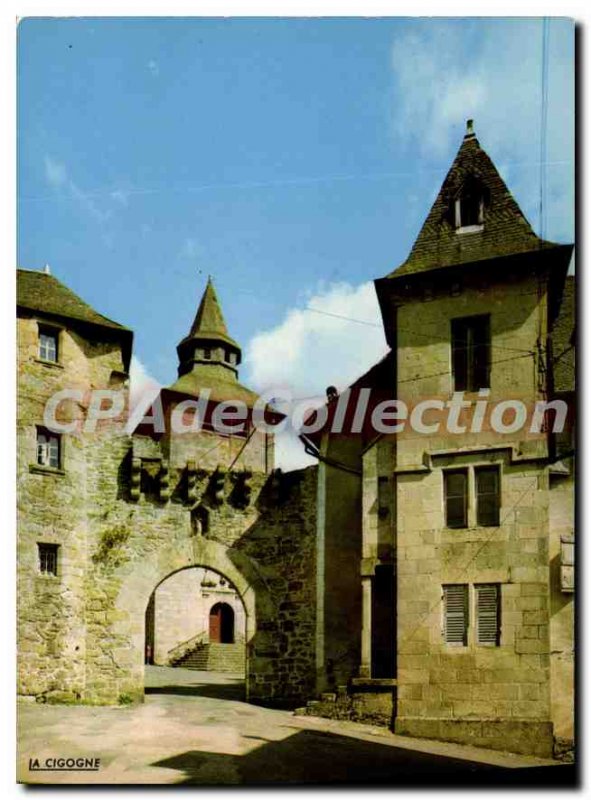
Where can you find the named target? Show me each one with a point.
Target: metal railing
(181, 650)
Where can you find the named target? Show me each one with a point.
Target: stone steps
(215, 657)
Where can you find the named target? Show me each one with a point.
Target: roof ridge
(503, 228)
(61, 301)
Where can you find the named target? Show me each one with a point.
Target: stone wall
(439, 684)
(52, 510)
(496, 696)
(265, 550)
(562, 610)
(123, 529)
(338, 552)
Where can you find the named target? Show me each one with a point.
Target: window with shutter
(487, 496)
(456, 498)
(470, 343)
(487, 613)
(455, 614)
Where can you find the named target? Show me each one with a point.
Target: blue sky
(292, 159)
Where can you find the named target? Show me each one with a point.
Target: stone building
(444, 557)
(421, 577)
(107, 515)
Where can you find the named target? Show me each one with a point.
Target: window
(487, 496)
(455, 614)
(48, 449)
(48, 344)
(488, 627)
(470, 347)
(207, 354)
(456, 498)
(469, 207)
(48, 559)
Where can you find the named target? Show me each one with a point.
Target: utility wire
(298, 181)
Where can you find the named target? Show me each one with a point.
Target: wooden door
(215, 624)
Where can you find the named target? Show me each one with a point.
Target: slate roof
(563, 340)
(506, 231)
(40, 291)
(209, 326)
(209, 323)
(218, 380)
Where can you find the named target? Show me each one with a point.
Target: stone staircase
(214, 657)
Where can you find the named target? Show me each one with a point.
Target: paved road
(194, 728)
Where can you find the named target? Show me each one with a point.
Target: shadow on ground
(318, 757)
(220, 691)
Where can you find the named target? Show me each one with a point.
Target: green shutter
(455, 599)
(487, 613)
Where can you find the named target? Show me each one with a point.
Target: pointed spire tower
(209, 357)
(208, 344)
(474, 224)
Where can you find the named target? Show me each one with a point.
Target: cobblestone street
(194, 728)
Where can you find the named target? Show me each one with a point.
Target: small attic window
(469, 208)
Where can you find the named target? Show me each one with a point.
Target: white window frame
(52, 334)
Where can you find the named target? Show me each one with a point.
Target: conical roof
(209, 323)
(505, 230)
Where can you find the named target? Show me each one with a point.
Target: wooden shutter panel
(487, 495)
(459, 354)
(456, 498)
(481, 343)
(455, 598)
(487, 613)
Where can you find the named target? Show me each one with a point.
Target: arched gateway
(139, 585)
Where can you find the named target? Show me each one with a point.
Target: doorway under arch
(221, 624)
(138, 584)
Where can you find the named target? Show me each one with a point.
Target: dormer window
(469, 208)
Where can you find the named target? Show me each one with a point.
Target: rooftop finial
(469, 127)
(46, 269)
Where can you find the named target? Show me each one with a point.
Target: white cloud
(120, 197)
(190, 248)
(447, 71)
(55, 173)
(290, 453)
(143, 387)
(309, 351)
(153, 67)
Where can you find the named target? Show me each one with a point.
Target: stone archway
(142, 577)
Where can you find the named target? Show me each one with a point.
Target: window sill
(470, 229)
(50, 364)
(38, 469)
(471, 528)
(471, 395)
